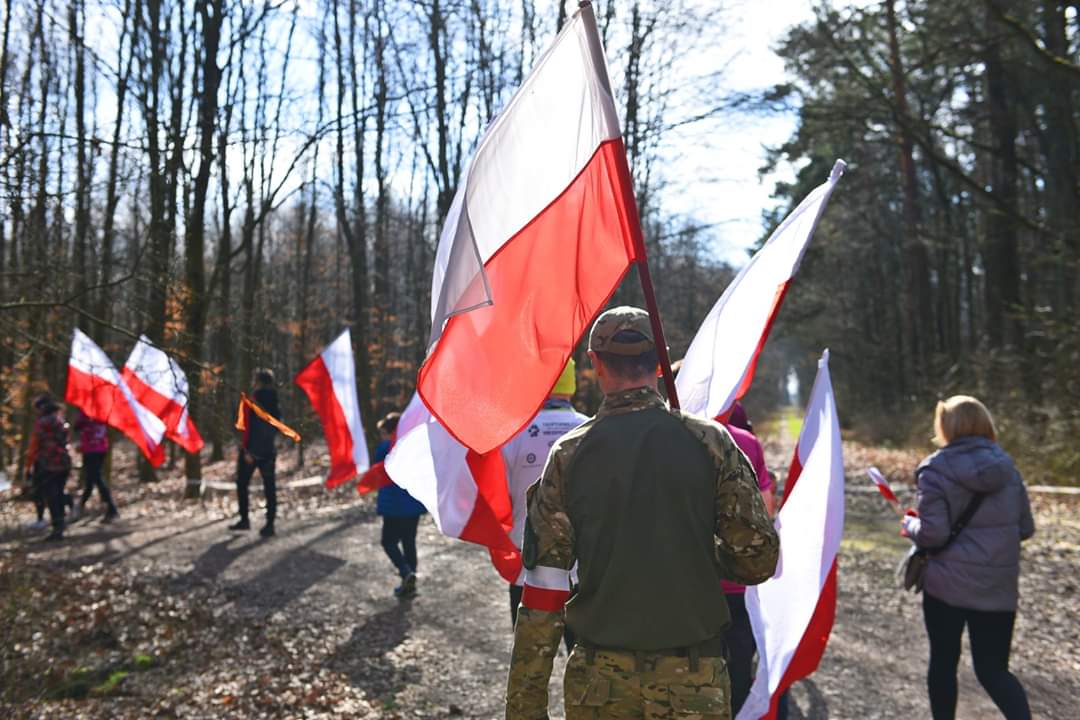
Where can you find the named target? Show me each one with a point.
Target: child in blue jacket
(400, 512)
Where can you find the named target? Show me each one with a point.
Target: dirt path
(304, 624)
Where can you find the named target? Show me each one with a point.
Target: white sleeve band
(548, 578)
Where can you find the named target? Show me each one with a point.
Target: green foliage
(992, 209)
(111, 683)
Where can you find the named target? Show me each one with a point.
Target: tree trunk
(1001, 254)
(196, 302)
(105, 297)
(919, 315)
(1061, 150)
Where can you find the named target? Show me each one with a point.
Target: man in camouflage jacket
(655, 506)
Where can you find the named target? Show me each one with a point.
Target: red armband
(546, 589)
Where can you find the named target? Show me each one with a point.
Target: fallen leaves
(175, 618)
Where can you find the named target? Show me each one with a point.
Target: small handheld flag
(878, 479)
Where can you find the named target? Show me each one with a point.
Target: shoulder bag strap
(962, 521)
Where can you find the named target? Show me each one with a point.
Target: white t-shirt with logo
(526, 454)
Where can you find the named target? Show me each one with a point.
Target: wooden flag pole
(585, 7)
(654, 319)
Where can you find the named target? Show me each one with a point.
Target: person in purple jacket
(974, 581)
(93, 443)
(740, 636)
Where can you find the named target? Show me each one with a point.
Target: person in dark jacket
(974, 581)
(50, 462)
(257, 451)
(400, 512)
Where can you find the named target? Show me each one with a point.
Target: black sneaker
(110, 516)
(407, 588)
(267, 531)
(243, 524)
(55, 536)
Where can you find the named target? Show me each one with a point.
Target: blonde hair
(962, 416)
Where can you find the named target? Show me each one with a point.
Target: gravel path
(304, 624)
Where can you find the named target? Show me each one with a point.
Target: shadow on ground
(365, 657)
(807, 702)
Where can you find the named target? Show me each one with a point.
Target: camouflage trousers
(618, 686)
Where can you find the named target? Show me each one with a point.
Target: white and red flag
(540, 233)
(465, 492)
(882, 484)
(157, 382)
(792, 612)
(329, 381)
(95, 387)
(719, 366)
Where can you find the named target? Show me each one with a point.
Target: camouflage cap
(615, 320)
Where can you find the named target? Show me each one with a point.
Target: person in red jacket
(93, 443)
(49, 461)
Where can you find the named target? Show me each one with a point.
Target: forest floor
(167, 614)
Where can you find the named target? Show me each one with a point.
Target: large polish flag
(95, 387)
(157, 382)
(329, 381)
(540, 233)
(792, 612)
(465, 492)
(719, 366)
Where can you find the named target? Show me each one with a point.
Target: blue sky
(716, 181)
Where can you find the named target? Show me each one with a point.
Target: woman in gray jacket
(974, 580)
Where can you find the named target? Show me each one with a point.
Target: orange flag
(241, 418)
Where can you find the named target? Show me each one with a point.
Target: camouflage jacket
(746, 544)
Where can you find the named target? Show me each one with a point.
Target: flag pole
(654, 319)
(585, 7)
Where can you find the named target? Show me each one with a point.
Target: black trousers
(52, 491)
(515, 602)
(399, 542)
(39, 496)
(741, 648)
(244, 471)
(92, 466)
(990, 634)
